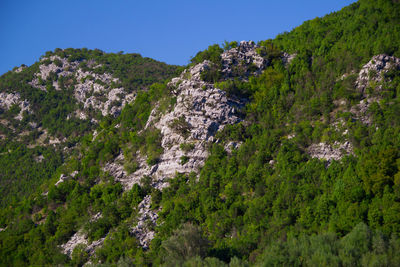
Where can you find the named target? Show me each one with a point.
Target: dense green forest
(267, 203)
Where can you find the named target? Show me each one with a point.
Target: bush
(184, 160)
(212, 74)
(79, 255)
(185, 243)
(212, 53)
(186, 147)
(180, 126)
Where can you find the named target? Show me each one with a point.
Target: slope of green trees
(267, 203)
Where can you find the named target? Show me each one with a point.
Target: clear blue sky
(169, 31)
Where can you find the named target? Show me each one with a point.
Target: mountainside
(284, 152)
(47, 107)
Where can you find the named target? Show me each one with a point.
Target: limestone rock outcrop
(375, 70)
(7, 100)
(373, 74)
(93, 90)
(243, 59)
(330, 152)
(79, 238)
(146, 217)
(201, 110)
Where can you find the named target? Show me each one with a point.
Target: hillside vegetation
(281, 153)
(46, 108)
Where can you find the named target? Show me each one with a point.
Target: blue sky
(169, 31)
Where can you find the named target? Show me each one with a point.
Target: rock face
(230, 146)
(97, 85)
(76, 239)
(372, 75)
(11, 99)
(201, 110)
(146, 217)
(19, 69)
(80, 238)
(330, 152)
(62, 179)
(92, 90)
(360, 111)
(116, 169)
(375, 70)
(57, 65)
(287, 58)
(242, 59)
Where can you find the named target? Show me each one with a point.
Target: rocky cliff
(93, 90)
(187, 129)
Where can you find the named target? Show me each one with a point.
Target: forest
(266, 203)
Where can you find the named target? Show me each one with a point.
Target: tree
(185, 243)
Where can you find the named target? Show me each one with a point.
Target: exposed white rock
(96, 217)
(340, 126)
(146, 218)
(330, 152)
(374, 71)
(95, 134)
(18, 70)
(116, 169)
(54, 141)
(62, 68)
(7, 100)
(241, 59)
(372, 74)
(39, 158)
(91, 248)
(80, 238)
(76, 239)
(201, 110)
(202, 113)
(287, 58)
(291, 136)
(34, 125)
(80, 114)
(62, 178)
(360, 111)
(232, 145)
(92, 90)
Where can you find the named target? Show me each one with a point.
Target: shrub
(212, 53)
(180, 126)
(184, 160)
(185, 243)
(212, 74)
(268, 50)
(186, 147)
(57, 62)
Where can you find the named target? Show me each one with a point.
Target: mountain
(284, 152)
(46, 108)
